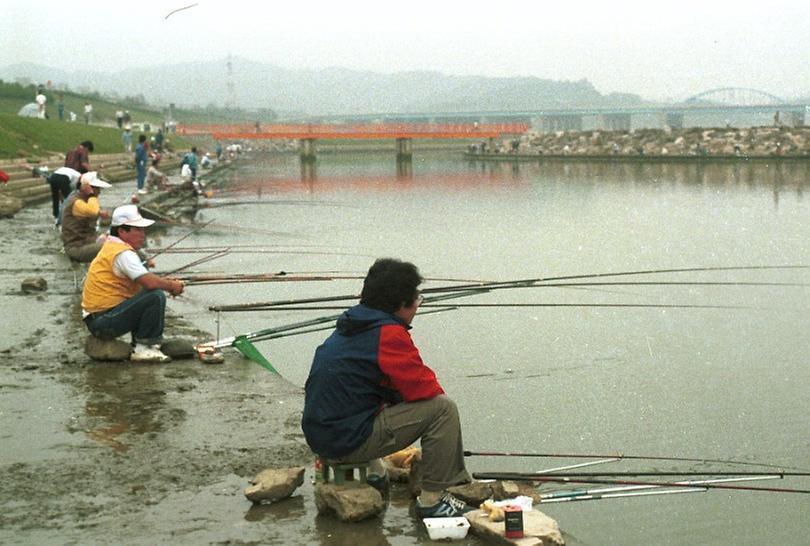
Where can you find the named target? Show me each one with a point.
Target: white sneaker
(143, 191)
(143, 353)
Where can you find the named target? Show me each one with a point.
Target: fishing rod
(332, 327)
(530, 282)
(556, 474)
(552, 496)
(517, 284)
(556, 479)
(186, 236)
(203, 280)
(468, 453)
(487, 305)
(259, 306)
(204, 259)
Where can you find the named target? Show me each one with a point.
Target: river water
(719, 383)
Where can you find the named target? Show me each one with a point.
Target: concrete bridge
(712, 107)
(403, 133)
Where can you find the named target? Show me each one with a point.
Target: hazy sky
(656, 49)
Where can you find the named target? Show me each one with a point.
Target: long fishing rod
(184, 237)
(204, 259)
(557, 474)
(555, 479)
(507, 285)
(489, 305)
(529, 282)
(554, 495)
(468, 453)
(250, 306)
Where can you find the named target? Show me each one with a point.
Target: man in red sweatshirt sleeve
(369, 394)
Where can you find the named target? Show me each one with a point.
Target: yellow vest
(103, 289)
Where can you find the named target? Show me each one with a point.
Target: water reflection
(126, 399)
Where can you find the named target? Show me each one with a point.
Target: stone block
(275, 484)
(507, 489)
(472, 493)
(106, 349)
(353, 501)
(34, 284)
(178, 349)
(538, 529)
(9, 206)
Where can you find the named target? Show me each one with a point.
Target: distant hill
(331, 91)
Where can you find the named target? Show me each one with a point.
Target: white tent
(30, 110)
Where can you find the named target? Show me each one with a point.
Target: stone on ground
(472, 493)
(9, 206)
(178, 349)
(106, 349)
(275, 484)
(34, 284)
(508, 489)
(538, 529)
(353, 501)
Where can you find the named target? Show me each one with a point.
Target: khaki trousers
(436, 424)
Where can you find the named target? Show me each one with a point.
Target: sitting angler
(120, 295)
(80, 214)
(369, 394)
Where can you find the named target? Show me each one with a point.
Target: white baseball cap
(93, 179)
(128, 215)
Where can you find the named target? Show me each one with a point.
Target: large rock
(509, 490)
(34, 284)
(106, 349)
(275, 484)
(472, 493)
(9, 206)
(178, 349)
(538, 529)
(353, 501)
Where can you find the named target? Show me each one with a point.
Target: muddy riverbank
(119, 453)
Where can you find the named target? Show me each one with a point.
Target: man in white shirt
(62, 181)
(120, 295)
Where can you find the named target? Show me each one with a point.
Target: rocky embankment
(749, 142)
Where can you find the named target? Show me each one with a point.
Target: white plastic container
(447, 528)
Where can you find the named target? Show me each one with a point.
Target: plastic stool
(343, 472)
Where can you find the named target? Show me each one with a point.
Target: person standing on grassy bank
(120, 295)
(80, 213)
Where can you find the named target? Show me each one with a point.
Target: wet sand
(120, 453)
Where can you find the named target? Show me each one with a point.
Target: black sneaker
(447, 507)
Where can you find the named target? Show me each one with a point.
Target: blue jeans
(142, 314)
(141, 175)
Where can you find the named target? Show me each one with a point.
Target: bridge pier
(404, 149)
(563, 122)
(616, 122)
(306, 149)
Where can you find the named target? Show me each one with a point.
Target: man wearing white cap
(120, 295)
(80, 212)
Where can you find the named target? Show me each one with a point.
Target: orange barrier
(355, 130)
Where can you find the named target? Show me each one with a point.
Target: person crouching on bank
(120, 295)
(369, 394)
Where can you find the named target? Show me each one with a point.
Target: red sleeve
(399, 359)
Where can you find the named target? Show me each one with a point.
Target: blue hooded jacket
(368, 362)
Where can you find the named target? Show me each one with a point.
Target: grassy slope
(36, 138)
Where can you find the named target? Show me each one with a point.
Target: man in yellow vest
(120, 295)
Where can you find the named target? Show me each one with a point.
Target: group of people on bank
(120, 294)
(368, 394)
